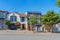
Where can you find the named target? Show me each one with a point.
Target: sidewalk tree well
(50, 18)
(32, 21)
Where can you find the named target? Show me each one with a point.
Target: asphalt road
(29, 36)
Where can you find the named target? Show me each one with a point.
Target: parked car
(12, 27)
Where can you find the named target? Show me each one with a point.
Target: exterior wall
(9, 15)
(3, 18)
(37, 14)
(29, 14)
(18, 19)
(26, 21)
(42, 28)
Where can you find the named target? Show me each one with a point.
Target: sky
(22, 6)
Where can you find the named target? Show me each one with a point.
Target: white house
(16, 17)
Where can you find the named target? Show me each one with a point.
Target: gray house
(3, 17)
(37, 26)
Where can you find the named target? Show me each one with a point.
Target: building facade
(17, 17)
(23, 19)
(38, 25)
(3, 17)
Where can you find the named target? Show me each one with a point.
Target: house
(22, 20)
(17, 17)
(37, 26)
(55, 28)
(3, 17)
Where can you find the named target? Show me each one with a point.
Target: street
(29, 36)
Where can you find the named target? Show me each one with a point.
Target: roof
(22, 15)
(36, 13)
(3, 11)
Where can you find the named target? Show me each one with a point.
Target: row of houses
(23, 20)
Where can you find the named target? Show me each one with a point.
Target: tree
(32, 20)
(8, 23)
(58, 3)
(50, 18)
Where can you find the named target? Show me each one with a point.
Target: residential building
(37, 26)
(23, 20)
(17, 17)
(3, 17)
(13, 17)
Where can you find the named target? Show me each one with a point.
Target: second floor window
(22, 19)
(2, 15)
(13, 18)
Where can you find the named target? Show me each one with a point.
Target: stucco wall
(18, 18)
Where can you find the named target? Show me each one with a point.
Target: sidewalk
(22, 32)
(16, 31)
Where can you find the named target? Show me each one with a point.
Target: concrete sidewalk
(22, 32)
(17, 31)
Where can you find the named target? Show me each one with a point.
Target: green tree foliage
(50, 18)
(8, 22)
(58, 3)
(32, 20)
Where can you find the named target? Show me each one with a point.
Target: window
(2, 24)
(13, 18)
(22, 19)
(2, 16)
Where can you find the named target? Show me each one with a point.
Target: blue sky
(22, 6)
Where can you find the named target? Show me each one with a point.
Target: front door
(29, 27)
(23, 27)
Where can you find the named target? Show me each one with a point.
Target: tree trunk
(31, 27)
(51, 28)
